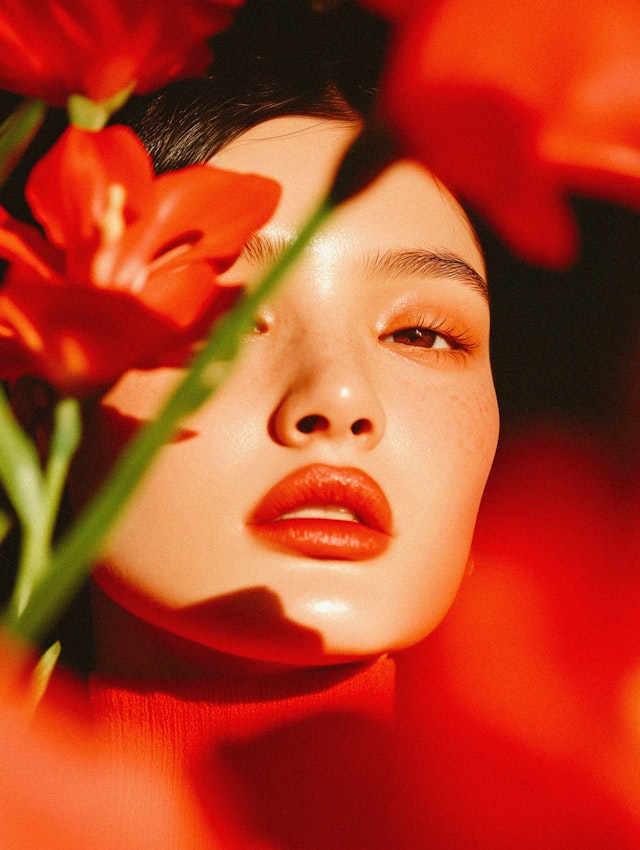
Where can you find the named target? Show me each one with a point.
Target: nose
(330, 398)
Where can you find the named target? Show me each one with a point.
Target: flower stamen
(112, 228)
(18, 324)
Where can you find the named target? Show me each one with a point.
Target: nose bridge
(330, 393)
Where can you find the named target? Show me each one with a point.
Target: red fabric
(299, 760)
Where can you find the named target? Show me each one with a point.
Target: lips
(325, 512)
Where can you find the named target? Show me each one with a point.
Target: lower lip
(324, 539)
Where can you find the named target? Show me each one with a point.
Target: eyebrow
(427, 264)
(393, 262)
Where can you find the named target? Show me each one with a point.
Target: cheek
(162, 551)
(450, 429)
(449, 438)
(173, 528)
(476, 422)
(108, 425)
(460, 438)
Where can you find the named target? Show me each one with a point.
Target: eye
(432, 333)
(419, 337)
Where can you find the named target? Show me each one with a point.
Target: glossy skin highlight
(373, 356)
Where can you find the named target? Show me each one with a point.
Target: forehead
(404, 208)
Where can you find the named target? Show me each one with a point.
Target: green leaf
(41, 674)
(17, 132)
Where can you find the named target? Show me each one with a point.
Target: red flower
(98, 49)
(61, 787)
(127, 270)
(516, 105)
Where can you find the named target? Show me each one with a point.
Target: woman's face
(321, 507)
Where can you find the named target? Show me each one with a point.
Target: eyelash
(460, 342)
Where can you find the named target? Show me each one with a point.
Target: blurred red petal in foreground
(59, 787)
(522, 710)
(99, 48)
(517, 105)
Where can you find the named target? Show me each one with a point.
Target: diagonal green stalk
(73, 556)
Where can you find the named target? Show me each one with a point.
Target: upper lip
(320, 485)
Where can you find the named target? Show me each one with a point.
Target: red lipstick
(325, 512)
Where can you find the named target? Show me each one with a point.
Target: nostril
(361, 426)
(314, 422)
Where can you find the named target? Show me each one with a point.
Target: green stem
(20, 472)
(92, 115)
(5, 525)
(39, 520)
(71, 559)
(34, 563)
(67, 426)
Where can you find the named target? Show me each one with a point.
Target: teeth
(322, 512)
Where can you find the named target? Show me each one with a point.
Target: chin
(251, 629)
(270, 639)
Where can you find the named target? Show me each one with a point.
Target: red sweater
(291, 760)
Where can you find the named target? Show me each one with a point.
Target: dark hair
(280, 57)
